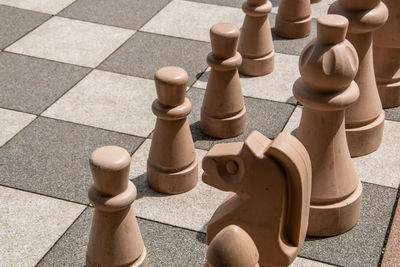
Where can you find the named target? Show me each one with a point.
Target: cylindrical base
(337, 218)
(140, 262)
(293, 29)
(172, 182)
(365, 139)
(257, 66)
(223, 128)
(389, 94)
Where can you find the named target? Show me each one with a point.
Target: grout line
(17, 133)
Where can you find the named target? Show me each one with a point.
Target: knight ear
(294, 158)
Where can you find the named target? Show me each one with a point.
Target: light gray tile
(302, 262)
(45, 6)
(317, 9)
(11, 122)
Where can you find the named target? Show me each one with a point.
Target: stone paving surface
(78, 74)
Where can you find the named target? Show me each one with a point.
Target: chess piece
(172, 162)
(387, 57)
(223, 113)
(115, 238)
(326, 88)
(293, 19)
(315, 1)
(255, 41)
(365, 118)
(272, 185)
(232, 247)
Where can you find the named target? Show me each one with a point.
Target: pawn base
(293, 29)
(223, 128)
(257, 66)
(140, 262)
(172, 182)
(365, 139)
(337, 218)
(389, 94)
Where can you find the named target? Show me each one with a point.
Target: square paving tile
(145, 53)
(31, 84)
(317, 9)
(231, 3)
(121, 13)
(11, 122)
(393, 113)
(265, 116)
(45, 6)
(361, 246)
(16, 22)
(192, 20)
(110, 101)
(275, 86)
(72, 41)
(51, 157)
(32, 224)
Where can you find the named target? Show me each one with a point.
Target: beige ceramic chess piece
(223, 113)
(115, 238)
(365, 118)
(326, 88)
(255, 41)
(272, 185)
(172, 163)
(387, 57)
(293, 19)
(232, 247)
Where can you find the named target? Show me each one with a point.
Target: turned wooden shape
(223, 113)
(293, 19)
(387, 57)
(326, 88)
(172, 163)
(115, 238)
(232, 247)
(271, 181)
(255, 41)
(365, 118)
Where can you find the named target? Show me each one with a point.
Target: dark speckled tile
(265, 116)
(392, 114)
(361, 246)
(166, 245)
(51, 157)
(121, 13)
(145, 53)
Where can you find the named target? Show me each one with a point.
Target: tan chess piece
(272, 185)
(172, 163)
(365, 118)
(255, 41)
(387, 57)
(223, 113)
(326, 88)
(232, 247)
(115, 238)
(293, 19)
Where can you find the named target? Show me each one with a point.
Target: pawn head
(171, 83)
(224, 39)
(359, 4)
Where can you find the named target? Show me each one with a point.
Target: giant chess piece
(255, 41)
(223, 113)
(326, 88)
(365, 118)
(115, 238)
(172, 163)
(232, 247)
(272, 185)
(293, 19)
(387, 57)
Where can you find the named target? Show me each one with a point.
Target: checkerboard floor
(78, 74)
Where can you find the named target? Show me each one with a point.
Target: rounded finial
(110, 169)
(332, 29)
(171, 83)
(224, 39)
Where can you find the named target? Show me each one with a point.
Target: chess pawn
(326, 88)
(387, 57)
(365, 118)
(172, 162)
(115, 238)
(255, 41)
(223, 113)
(232, 247)
(293, 19)
(271, 181)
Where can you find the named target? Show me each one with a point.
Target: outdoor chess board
(76, 75)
